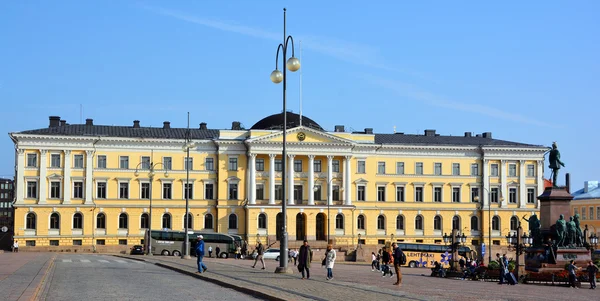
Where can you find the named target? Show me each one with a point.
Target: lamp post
(518, 242)
(292, 64)
(329, 201)
(489, 220)
(151, 167)
(593, 242)
(454, 240)
(187, 190)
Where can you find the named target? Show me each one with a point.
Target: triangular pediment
(301, 135)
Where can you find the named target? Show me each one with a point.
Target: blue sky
(526, 71)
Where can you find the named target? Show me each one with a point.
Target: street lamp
(593, 241)
(489, 220)
(187, 190)
(517, 242)
(292, 64)
(454, 240)
(151, 167)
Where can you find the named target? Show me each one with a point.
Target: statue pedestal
(535, 259)
(554, 202)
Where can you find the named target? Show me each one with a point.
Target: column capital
(252, 155)
(272, 156)
(312, 157)
(540, 162)
(89, 153)
(503, 162)
(522, 162)
(21, 151)
(43, 151)
(329, 157)
(67, 151)
(291, 156)
(348, 157)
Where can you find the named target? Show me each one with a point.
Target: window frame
(54, 221)
(77, 221)
(78, 192)
(419, 168)
(101, 161)
(361, 166)
(381, 167)
(259, 164)
(232, 218)
(31, 157)
(399, 168)
(437, 169)
(360, 222)
(456, 169)
(167, 191)
(232, 164)
(297, 165)
(78, 161)
(456, 194)
(123, 162)
(335, 165)
(123, 220)
(167, 163)
(317, 166)
(512, 170)
(104, 189)
(209, 164)
(381, 193)
(339, 221)
(55, 161)
(381, 222)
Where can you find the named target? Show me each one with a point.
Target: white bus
(171, 242)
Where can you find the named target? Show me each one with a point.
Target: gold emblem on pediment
(301, 136)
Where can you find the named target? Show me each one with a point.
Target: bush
(494, 265)
(511, 265)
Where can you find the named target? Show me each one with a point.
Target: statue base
(536, 261)
(554, 202)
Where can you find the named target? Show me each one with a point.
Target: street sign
(482, 249)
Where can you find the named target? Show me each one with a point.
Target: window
(262, 221)
(418, 194)
(381, 168)
(360, 222)
(278, 165)
(496, 223)
(514, 223)
(167, 195)
(32, 190)
(54, 242)
(260, 192)
(456, 222)
(437, 223)
(30, 222)
(209, 164)
(123, 162)
(474, 223)
(456, 169)
(54, 221)
(209, 191)
(531, 195)
(77, 242)
(55, 160)
(31, 160)
(123, 190)
(494, 170)
(381, 222)
(208, 221)
(144, 221)
(361, 166)
(145, 162)
(399, 222)
(101, 221)
(531, 170)
(437, 194)
(456, 194)
(317, 166)
(474, 169)
(100, 242)
(512, 195)
(399, 193)
(279, 193)
(101, 190)
(189, 221)
(419, 222)
(189, 163)
(78, 161)
(145, 191)
(317, 192)
(474, 194)
(260, 164)
(335, 166)
(123, 222)
(512, 170)
(297, 165)
(123, 242)
(575, 211)
(167, 163)
(101, 161)
(597, 212)
(419, 168)
(494, 195)
(77, 221)
(583, 213)
(591, 212)
(78, 190)
(335, 193)
(360, 193)
(381, 193)
(233, 191)
(166, 221)
(233, 221)
(233, 164)
(437, 169)
(55, 190)
(339, 221)
(399, 168)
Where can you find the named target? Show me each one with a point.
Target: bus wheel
(412, 264)
(176, 253)
(165, 253)
(224, 255)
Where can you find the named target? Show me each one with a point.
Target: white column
(485, 170)
(540, 180)
(348, 178)
(311, 179)
(271, 179)
(20, 184)
(89, 168)
(522, 185)
(252, 191)
(43, 187)
(503, 184)
(67, 178)
(291, 180)
(329, 179)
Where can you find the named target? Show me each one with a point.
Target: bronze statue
(555, 163)
(578, 233)
(561, 231)
(534, 227)
(571, 232)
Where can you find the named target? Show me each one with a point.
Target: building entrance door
(301, 226)
(320, 226)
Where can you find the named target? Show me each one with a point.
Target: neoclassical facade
(92, 185)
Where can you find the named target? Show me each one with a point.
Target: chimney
(429, 132)
(568, 182)
(339, 128)
(468, 134)
(203, 125)
(136, 124)
(63, 122)
(368, 130)
(166, 125)
(54, 121)
(89, 121)
(487, 135)
(589, 186)
(236, 125)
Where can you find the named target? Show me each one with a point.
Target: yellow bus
(420, 255)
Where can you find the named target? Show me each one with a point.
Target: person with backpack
(399, 259)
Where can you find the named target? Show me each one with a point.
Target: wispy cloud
(413, 92)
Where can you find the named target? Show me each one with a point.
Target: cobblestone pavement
(21, 274)
(357, 282)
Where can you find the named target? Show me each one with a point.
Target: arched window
(419, 222)
(514, 223)
(456, 222)
(30, 221)
(262, 221)
(208, 221)
(496, 223)
(54, 221)
(166, 221)
(190, 221)
(474, 223)
(123, 221)
(144, 221)
(339, 221)
(437, 223)
(101, 221)
(400, 222)
(77, 221)
(233, 221)
(360, 222)
(381, 222)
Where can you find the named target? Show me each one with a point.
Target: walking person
(16, 247)
(295, 255)
(592, 270)
(304, 259)
(572, 274)
(200, 255)
(238, 252)
(399, 259)
(373, 261)
(502, 267)
(259, 255)
(330, 256)
(218, 252)
(210, 252)
(386, 259)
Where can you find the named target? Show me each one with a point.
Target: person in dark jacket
(386, 258)
(304, 258)
(398, 254)
(218, 252)
(200, 255)
(592, 270)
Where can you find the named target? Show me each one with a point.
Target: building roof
(124, 131)
(593, 192)
(434, 139)
(275, 122)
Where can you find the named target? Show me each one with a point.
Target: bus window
(178, 236)
(166, 235)
(423, 248)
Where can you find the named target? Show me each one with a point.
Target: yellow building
(77, 185)
(586, 203)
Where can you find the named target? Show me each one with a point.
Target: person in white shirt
(16, 246)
